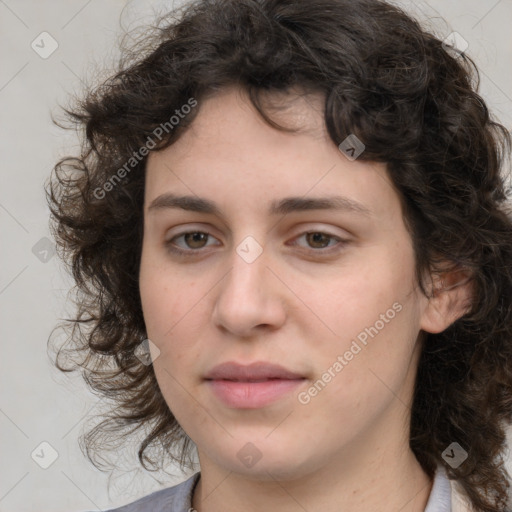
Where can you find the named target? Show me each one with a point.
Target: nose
(250, 299)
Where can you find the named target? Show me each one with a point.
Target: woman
(289, 233)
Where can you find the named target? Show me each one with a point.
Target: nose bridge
(248, 297)
(248, 265)
(246, 280)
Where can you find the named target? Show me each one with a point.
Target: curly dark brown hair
(397, 87)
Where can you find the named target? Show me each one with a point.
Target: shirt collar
(441, 493)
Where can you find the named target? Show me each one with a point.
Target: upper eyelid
(299, 233)
(316, 228)
(179, 235)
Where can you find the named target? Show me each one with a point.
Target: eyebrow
(280, 207)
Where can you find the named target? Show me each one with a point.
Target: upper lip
(254, 371)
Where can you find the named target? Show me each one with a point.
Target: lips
(255, 372)
(252, 386)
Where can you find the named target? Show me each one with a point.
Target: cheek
(171, 307)
(359, 296)
(370, 375)
(160, 307)
(373, 312)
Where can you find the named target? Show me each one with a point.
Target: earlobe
(450, 299)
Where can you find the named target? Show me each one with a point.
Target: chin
(272, 465)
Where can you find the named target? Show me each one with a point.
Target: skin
(299, 304)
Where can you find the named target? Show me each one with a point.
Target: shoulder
(173, 499)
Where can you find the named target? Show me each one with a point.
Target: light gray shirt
(179, 497)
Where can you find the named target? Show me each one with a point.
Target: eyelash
(192, 252)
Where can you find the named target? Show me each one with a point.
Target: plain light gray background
(38, 403)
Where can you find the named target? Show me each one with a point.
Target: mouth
(258, 371)
(251, 386)
(251, 380)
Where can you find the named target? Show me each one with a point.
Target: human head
(383, 79)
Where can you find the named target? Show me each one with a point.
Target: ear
(450, 298)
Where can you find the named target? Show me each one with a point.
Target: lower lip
(252, 395)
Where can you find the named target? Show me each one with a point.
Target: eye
(193, 240)
(317, 240)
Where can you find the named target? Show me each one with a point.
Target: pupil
(195, 238)
(317, 238)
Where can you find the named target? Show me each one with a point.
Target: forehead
(231, 152)
(294, 107)
(227, 116)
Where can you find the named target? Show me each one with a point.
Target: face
(293, 263)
